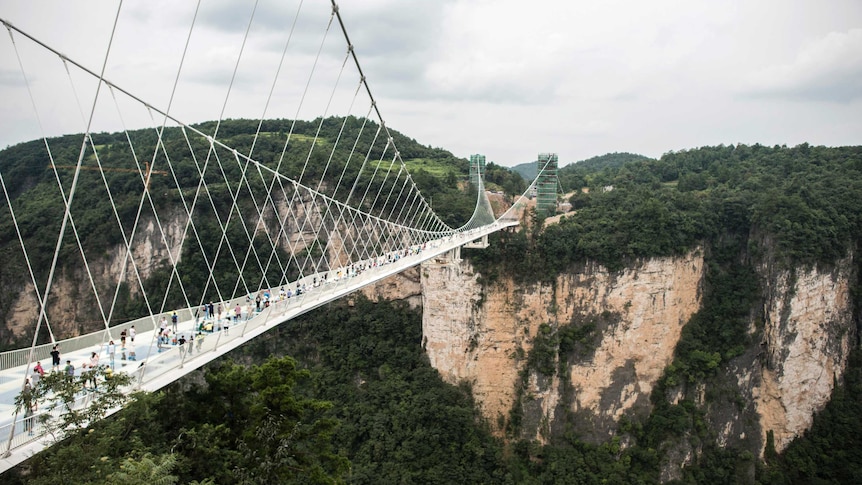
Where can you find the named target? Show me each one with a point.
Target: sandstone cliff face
(72, 308)
(481, 334)
(404, 286)
(808, 334)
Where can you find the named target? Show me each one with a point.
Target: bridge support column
(478, 243)
(454, 256)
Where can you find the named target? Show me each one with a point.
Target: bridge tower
(546, 184)
(477, 169)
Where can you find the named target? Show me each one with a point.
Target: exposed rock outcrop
(629, 324)
(807, 337)
(483, 335)
(405, 286)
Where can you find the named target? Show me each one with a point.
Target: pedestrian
(182, 342)
(70, 371)
(55, 358)
(93, 364)
(174, 321)
(38, 368)
(163, 324)
(199, 341)
(123, 339)
(132, 334)
(112, 349)
(160, 340)
(29, 402)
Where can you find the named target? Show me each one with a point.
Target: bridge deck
(155, 368)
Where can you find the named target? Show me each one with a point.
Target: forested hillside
(361, 405)
(577, 175)
(573, 173)
(804, 200)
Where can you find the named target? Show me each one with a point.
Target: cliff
(593, 345)
(72, 309)
(483, 337)
(807, 337)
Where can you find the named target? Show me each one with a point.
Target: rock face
(482, 336)
(808, 334)
(629, 324)
(402, 286)
(72, 310)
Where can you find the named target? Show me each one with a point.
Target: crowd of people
(217, 317)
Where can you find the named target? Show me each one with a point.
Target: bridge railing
(42, 352)
(31, 428)
(96, 340)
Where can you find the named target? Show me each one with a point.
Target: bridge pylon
(480, 243)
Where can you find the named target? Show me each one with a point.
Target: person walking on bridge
(112, 351)
(93, 364)
(70, 371)
(55, 358)
(29, 402)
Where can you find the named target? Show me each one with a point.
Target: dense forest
(805, 200)
(346, 394)
(579, 170)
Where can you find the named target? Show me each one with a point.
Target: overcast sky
(505, 78)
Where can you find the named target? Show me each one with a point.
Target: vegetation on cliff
(361, 404)
(803, 203)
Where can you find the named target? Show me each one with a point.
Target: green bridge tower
(477, 169)
(546, 184)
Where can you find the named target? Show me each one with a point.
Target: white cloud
(826, 69)
(506, 78)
